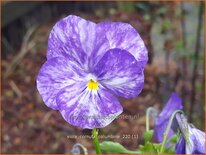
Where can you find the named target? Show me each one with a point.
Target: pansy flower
(88, 65)
(174, 103)
(192, 140)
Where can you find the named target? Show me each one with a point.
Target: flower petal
(180, 146)
(198, 138)
(73, 37)
(55, 74)
(174, 103)
(88, 108)
(123, 36)
(120, 73)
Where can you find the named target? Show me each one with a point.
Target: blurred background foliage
(172, 31)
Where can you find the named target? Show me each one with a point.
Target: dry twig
(26, 46)
(197, 50)
(15, 88)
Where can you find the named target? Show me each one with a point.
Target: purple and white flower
(88, 65)
(192, 140)
(174, 103)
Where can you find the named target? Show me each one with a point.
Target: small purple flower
(88, 65)
(192, 140)
(174, 103)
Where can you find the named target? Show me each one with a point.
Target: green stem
(96, 141)
(147, 118)
(168, 129)
(132, 152)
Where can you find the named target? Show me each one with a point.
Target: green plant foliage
(148, 148)
(126, 6)
(182, 51)
(114, 147)
(148, 135)
(173, 139)
(154, 148)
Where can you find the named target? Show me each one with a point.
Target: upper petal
(73, 37)
(55, 74)
(86, 42)
(120, 73)
(174, 103)
(123, 36)
(88, 108)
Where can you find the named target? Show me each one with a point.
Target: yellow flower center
(93, 85)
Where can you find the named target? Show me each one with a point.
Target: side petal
(174, 103)
(180, 146)
(159, 131)
(120, 73)
(73, 37)
(88, 108)
(55, 74)
(124, 36)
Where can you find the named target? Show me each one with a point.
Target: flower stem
(96, 141)
(147, 118)
(168, 129)
(150, 111)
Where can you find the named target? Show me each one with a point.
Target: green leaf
(148, 135)
(114, 147)
(167, 150)
(173, 139)
(170, 150)
(157, 147)
(148, 148)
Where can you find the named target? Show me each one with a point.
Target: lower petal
(88, 109)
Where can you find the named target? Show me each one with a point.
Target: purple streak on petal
(72, 37)
(66, 98)
(123, 36)
(100, 48)
(180, 146)
(55, 74)
(174, 103)
(88, 109)
(120, 73)
(198, 138)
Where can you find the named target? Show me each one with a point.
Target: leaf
(167, 150)
(148, 135)
(170, 150)
(114, 147)
(173, 139)
(157, 147)
(148, 148)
